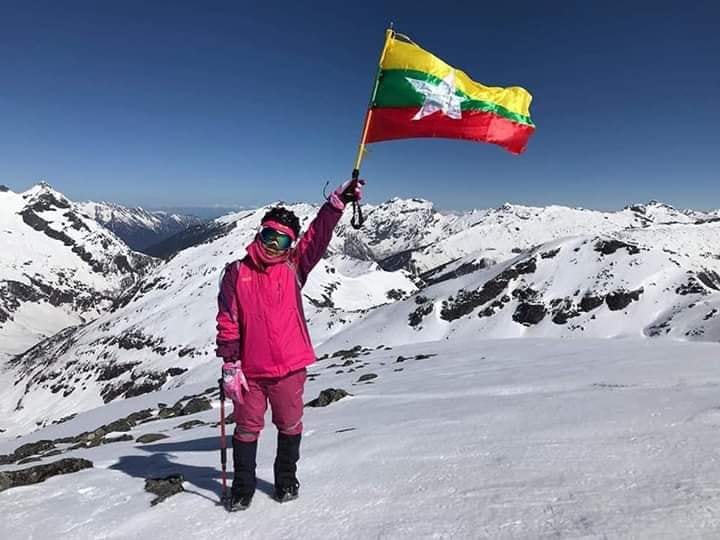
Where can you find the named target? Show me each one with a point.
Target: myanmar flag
(419, 95)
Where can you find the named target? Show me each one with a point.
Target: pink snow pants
(286, 402)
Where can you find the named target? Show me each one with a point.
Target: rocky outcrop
(40, 473)
(620, 299)
(150, 438)
(466, 301)
(164, 487)
(327, 396)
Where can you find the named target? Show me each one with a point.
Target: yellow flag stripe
(408, 56)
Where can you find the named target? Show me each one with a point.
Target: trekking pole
(223, 443)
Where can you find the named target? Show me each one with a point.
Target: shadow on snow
(158, 465)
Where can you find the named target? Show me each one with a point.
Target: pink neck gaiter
(261, 258)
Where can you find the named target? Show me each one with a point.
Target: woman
(263, 339)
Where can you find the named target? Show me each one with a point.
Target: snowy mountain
(412, 274)
(57, 267)
(138, 228)
(649, 282)
(412, 234)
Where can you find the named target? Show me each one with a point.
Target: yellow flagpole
(389, 33)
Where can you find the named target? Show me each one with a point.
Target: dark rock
(529, 314)
(175, 371)
(608, 247)
(65, 419)
(395, 294)
(550, 254)
(562, 316)
(170, 412)
(29, 460)
(525, 294)
(563, 310)
(164, 487)
(525, 267)
(118, 425)
(400, 359)
(349, 353)
(618, 300)
(691, 287)
(186, 351)
(467, 301)
(119, 438)
(40, 473)
(328, 396)
(589, 302)
(134, 418)
(396, 262)
(113, 370)
(112, 391)
(424, 356)
(367, 377)
(416, 317)
(150, 437)
(710, 279)
(30, 449)
(196, 405)
(439, 274)
(190, 424)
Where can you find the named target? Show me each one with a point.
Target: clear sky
(202, 103)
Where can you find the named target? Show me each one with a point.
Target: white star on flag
(438, 97)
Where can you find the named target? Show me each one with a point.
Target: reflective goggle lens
(282, 240)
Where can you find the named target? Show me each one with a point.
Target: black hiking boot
(288, 492)
(288, 454)
(244, 481)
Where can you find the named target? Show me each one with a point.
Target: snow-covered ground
(531, 438)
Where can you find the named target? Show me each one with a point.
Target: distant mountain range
(140, 229)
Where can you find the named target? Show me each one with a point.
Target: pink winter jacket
(260, 317)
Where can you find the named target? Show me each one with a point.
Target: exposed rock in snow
(40, 473)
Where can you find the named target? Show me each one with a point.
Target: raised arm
(228, 327)
(314, 242)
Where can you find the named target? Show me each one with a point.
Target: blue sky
(220, 103)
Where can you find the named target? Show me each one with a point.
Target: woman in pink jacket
(263, 339)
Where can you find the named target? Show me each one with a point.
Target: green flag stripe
(395, 91)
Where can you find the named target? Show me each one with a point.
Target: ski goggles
(269, 236)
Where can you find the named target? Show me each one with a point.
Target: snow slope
(499, 439)
(659, 281)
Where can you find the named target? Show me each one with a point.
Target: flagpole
(368, 115)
